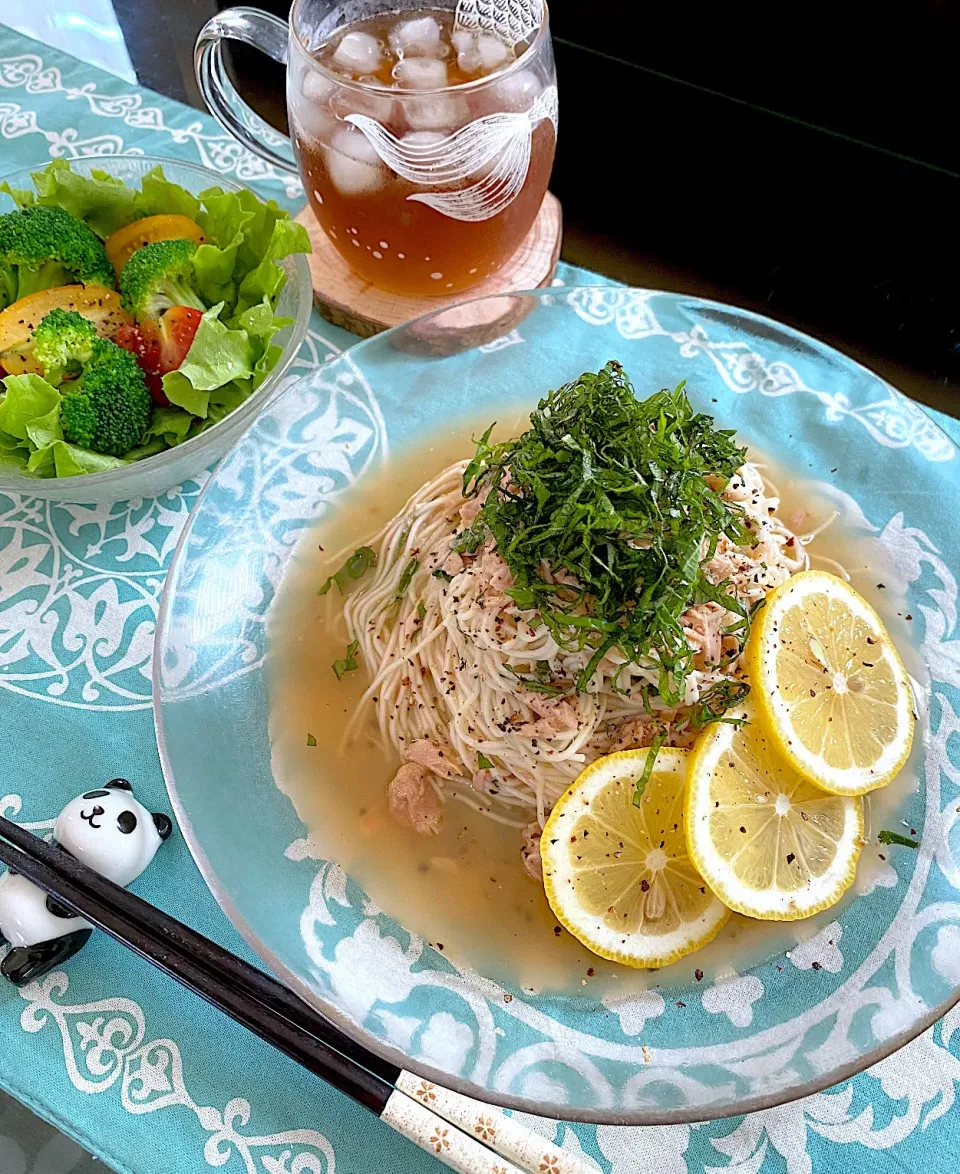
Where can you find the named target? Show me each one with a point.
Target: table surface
(726, 217)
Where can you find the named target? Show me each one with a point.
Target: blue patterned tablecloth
(118, 1057)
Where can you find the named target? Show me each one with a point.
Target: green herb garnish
(614, 491)
(538, 683)
(356, 566)
(648, 766)
(483, 762)
(349, 662)
(311, 740)
(421, 610)
(406, 579)
(441, 574)
(715, 702)
(895, 838)
(534, 686)
(468, 542)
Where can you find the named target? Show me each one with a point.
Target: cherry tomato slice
(178, 326)
(161, 350)
(144, 345)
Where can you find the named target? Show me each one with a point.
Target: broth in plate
(465, 890)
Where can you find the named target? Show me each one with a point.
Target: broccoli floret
(42, 247)
(108, 408)
(62, 343)
(159, 276)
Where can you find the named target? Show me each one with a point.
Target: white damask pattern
(220, 152)
(105, 1048)
(79, 591)
(910, 1090)
(892, 420)
(332, 432)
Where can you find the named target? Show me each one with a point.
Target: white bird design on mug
(495, 148)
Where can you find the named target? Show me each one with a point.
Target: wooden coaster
(347, 300)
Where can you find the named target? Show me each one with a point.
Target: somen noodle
(485, 686)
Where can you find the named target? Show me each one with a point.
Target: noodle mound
(457, 664)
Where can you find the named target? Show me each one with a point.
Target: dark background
(801, 159)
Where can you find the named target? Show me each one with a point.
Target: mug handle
(265, 32)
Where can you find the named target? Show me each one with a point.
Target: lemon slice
(832, 691)
(617, 876)
(769, 843)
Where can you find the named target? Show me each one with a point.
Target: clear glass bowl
(842, 990)
(149, 477)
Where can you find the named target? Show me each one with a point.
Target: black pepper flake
(644, 885)
(680, 1004)
(698, 974)
(816, 966)
(557, 931)
(790, 858)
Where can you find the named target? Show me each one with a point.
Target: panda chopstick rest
(108, 831)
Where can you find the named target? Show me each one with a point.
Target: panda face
(110, 832)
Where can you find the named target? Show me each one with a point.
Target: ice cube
(518, 92)
(374, 102)
(421, 73)
(480, 52)
(359, 52)
(310, 108)
(317, 88)
(437, 112)
(419, 37)
(352, 162)
(314, 122)
(493, 52)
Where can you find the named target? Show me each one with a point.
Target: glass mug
(423, 191)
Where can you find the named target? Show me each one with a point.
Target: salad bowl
(841, 992)
(153, 474)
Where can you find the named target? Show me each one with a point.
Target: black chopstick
(146, 920)
(221, 978)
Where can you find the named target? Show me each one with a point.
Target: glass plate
(872, 976)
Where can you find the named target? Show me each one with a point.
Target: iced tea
(425, 149)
